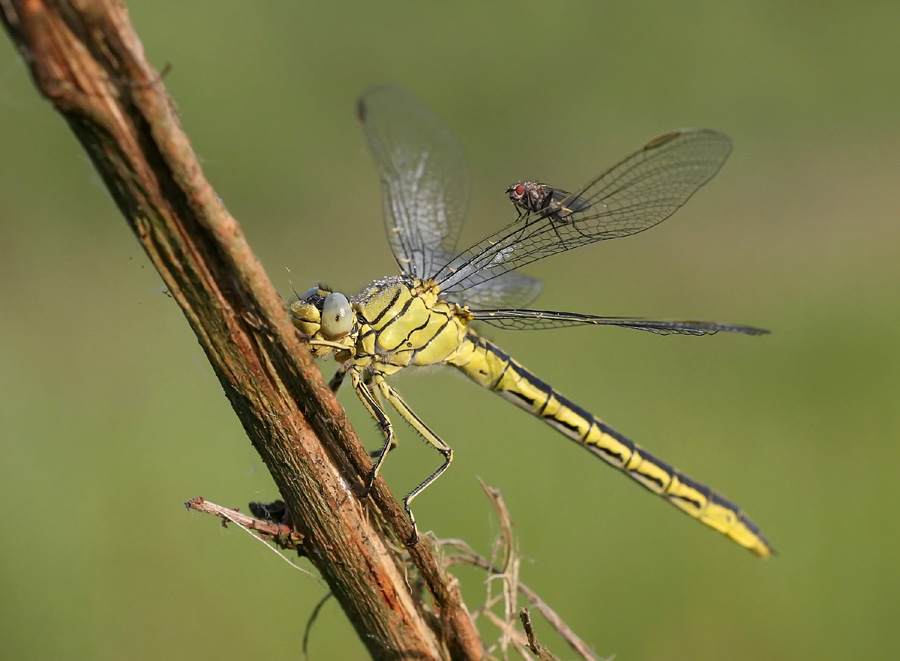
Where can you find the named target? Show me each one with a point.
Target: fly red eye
(519, 190)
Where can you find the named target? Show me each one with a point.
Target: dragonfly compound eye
(337, 316)
(313, 296)
(306, 311)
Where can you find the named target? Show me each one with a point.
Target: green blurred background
(111, 416)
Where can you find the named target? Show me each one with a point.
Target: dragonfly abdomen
(491, 367)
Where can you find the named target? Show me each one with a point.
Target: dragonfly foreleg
(337, 379)
(433, 439)
(339, 375)
(326, 343)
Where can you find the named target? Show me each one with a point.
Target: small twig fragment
(542, 652)
(282, 535)
(507, 570)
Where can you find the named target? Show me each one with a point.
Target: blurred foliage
(112, 417)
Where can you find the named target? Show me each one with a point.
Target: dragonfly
(428, 314)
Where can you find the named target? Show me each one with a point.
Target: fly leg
(403, 409)
(557, 214)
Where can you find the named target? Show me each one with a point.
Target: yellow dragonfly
(425, 315)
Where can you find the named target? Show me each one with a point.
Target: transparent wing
(510, 289)
(638, 193)
(544, 319)
(424, 178)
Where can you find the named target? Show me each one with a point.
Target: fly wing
(545, 319)
(565, 203)
(638, 193)
(424, 178)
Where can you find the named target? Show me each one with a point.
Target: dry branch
(87, 61)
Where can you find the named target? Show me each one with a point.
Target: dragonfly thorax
(387, 298)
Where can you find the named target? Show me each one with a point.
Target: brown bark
(87, 61)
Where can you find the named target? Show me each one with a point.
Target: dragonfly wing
(424, 178)
(638, 193)
(509, 289)
(544, 319)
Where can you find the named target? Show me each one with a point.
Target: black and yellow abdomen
(492, 368)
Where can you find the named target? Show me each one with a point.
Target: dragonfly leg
(325, 343)
(433, 439)
(368, 400)
(337, 379)
(339, 375)
(375, 454)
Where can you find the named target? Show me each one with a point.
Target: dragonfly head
(321, 314)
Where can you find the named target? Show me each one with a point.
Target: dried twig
(508, 572)
(282, 535)
(533, 644)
